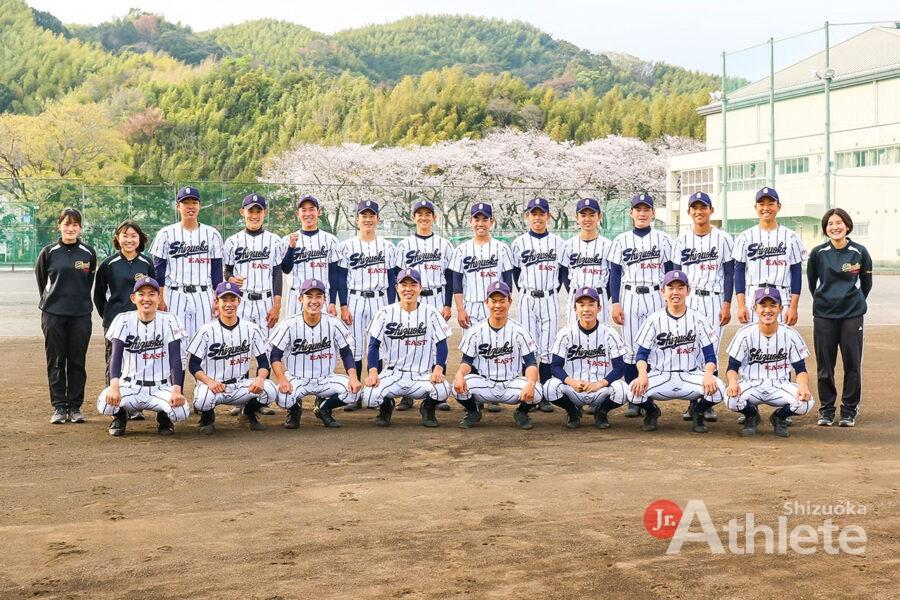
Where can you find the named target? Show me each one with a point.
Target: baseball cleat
(326, 417)
(750, 425)
(235, 411)
(75, 415)
(591, 409)
(686, 415)
(384, 413)
(405, 404)
(470, 420)
(355, 406)
(825, 421)
(651, 415)
(443, 406)
(698, 425)
(117, 425)
(847, 422)
(741, 419)
(59, 416)
(164, 424)
(266, 410)
(207, 422)
(788, 421)
(293, 417)
(427, 411)
(710, 415)
(136, 416)
(523, 421)
(573, 421)
(779, 425)
(632, 411)
(545, 406)
(251, 415)
(601, 419)
(493, 407)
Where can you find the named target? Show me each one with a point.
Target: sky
(688, 33)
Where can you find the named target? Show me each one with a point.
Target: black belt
(368, 293)
(705, 293)
(235, 380)
(540, 293)
(190, 288)
(642, 289)
(432, 291)
(258, 295)
(767, 285)
(145, 382)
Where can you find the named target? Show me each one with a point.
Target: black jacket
(839, 280)
(115, 282)
(65, 274)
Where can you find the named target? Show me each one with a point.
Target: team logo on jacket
(530, 257)
(854, 268)
(472, 263)
(633, 255)
(359, 260)
(307, 347)
(579, 352)
(221, 351)
(690, 256)
(488, 351)
(136, 345)
(759, 251)
(397, 331)
(180, 249)
(669, 340)
(83, 265)
(416, 257)
(244, 255)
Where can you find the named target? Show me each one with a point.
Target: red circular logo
(661, 518)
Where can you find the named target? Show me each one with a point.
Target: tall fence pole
(828, 75)
(724, 147)
(771, 112)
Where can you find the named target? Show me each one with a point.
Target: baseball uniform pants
(363, 310)
(677, 385)
(556, 389)
(772, 392)
(477, 312)
(235, 394)
(540, 316)
(138, 397)
(785, 301)
(256, 311)
(602, 316)
(708, 304)
(436, 299)
(637, 308)
(405, 384)
(488, 391)
(324, 387)
(193, 309)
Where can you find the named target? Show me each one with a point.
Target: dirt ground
(409, 512)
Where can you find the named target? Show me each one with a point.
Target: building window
(696, 180)
(792, 166)
(870, 157)
(746, 176)
(861, 229)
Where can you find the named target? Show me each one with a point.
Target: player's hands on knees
(803, 393)
(346, 317)
(445, 312)
(113, 394)
(594, 386)
(372, 380)
(733, 390)
(709, 384)
(640, 384)
(618, 314)
(355, 385)
(285, 387)
(743, 314)
(437, 376)
(462, 317)
(725, 314)
(216, 387)
(178, 399)
(527, 393)
(332, 310)
(790, 316)
(272, 317)
(256, 386)
(459, 385)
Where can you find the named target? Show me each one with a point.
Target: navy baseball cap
(308, 198)
(145, 282)
(586, 292)
(642, 199)
(365, 205)
(676, 276)
(186, 193)
(767, 292)
(483, 208)
(767, 192)
(498, 287)
(538, 204)
(423, 204)
(409, 274)
(226, 287)
(254, 200)
(312, 284)
(588, 204)
(700, 197)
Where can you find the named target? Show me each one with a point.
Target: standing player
(495, 354)
(367, 270)
(187, 259)
(586, 257)
(310, 255)
(219, 359)
(587, 363)
(704, 254)
(145, 363)
(638, 261)
(539, 274)
(430, 255)
(413, 336)
(676, 340)
(760, 358)
(304, 353)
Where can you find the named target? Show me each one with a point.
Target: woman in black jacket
(840, 278)
(65, 272)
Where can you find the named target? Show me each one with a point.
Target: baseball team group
(644, 317)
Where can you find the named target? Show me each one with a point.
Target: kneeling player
(675, 340)
(145, 364)
(759, 367)
(304, 350)
(588, 363)
(219, 359)
(414, 338)
(495, 353)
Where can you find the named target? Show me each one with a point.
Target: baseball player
(145, 363)
(367, 270)
(587, 365)
(219, 359)
(304, 353)
(586, 257)
(495, 353)
(430, 255)
(413, 336)
(768, 255)
(704, 254)
(539, 274)
(638, 261)
(253, 260)
(187, 259)
(676, 340)
(760, 358)
(310, 254)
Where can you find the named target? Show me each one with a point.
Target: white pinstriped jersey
(587, 262)
(311, 351)
(539, 259)
(588, 354)
(481, 265)
(408, 338)
(675, 344)
(312, 255)
(188, 254)
(701, 257)
(642, 258)
(428, 255)
(225, 352)
(367, 262)
(254, 257)
(769, 254)
(767, 357)
(498, 352)
(146, 355)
